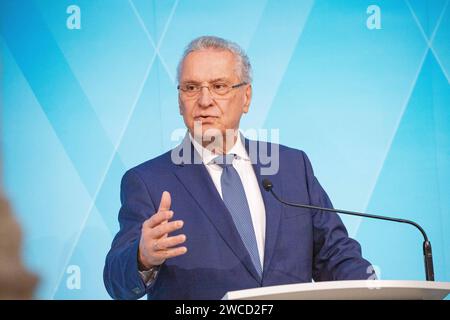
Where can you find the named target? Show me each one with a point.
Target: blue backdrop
(89, 90)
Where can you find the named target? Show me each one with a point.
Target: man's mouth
(205, 119)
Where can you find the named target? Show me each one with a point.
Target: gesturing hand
(155, 245)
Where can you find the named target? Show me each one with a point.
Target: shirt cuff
(149, 276)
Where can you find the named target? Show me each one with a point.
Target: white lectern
(347, 290)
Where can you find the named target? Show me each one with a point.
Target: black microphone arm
(427, 253)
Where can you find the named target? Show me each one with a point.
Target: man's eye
(190, 87)
(220, 86)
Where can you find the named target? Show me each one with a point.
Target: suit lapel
(272, 207)
(198, 183)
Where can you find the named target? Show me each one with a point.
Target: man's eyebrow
(219, 79)
(211, 81)
(191, 81)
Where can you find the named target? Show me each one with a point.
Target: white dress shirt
(244, 167)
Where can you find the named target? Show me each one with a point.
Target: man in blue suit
(195, 222)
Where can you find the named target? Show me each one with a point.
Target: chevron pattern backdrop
(89, 90)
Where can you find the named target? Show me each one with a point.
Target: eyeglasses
(216, 88)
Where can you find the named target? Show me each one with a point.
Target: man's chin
(208, 135)
(206, 132)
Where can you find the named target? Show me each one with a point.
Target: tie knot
(225, 160)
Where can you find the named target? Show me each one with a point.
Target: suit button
(137, 291)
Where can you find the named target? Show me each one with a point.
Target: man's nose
(205, 98)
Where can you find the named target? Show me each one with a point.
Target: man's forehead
(209, 65)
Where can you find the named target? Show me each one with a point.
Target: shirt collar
(207, 156)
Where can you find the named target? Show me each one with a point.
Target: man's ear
(180, 106)
(247, 98)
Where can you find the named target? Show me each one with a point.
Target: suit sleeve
(120, 275)
(336, 255)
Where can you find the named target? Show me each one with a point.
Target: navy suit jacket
(301, 245)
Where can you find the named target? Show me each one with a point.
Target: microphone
(427, 254)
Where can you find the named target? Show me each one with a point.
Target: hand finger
(170, 253)
(166, 201)
(169, 242)
(166, 228)
(159, 217)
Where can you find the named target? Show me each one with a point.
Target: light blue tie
(234, 198)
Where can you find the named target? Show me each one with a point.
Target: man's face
(213, 112)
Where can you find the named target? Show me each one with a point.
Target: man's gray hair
(212, 42)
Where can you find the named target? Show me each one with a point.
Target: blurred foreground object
(15, 281)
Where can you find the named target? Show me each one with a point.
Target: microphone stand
(427, 252)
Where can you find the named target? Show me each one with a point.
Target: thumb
(165, 201)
